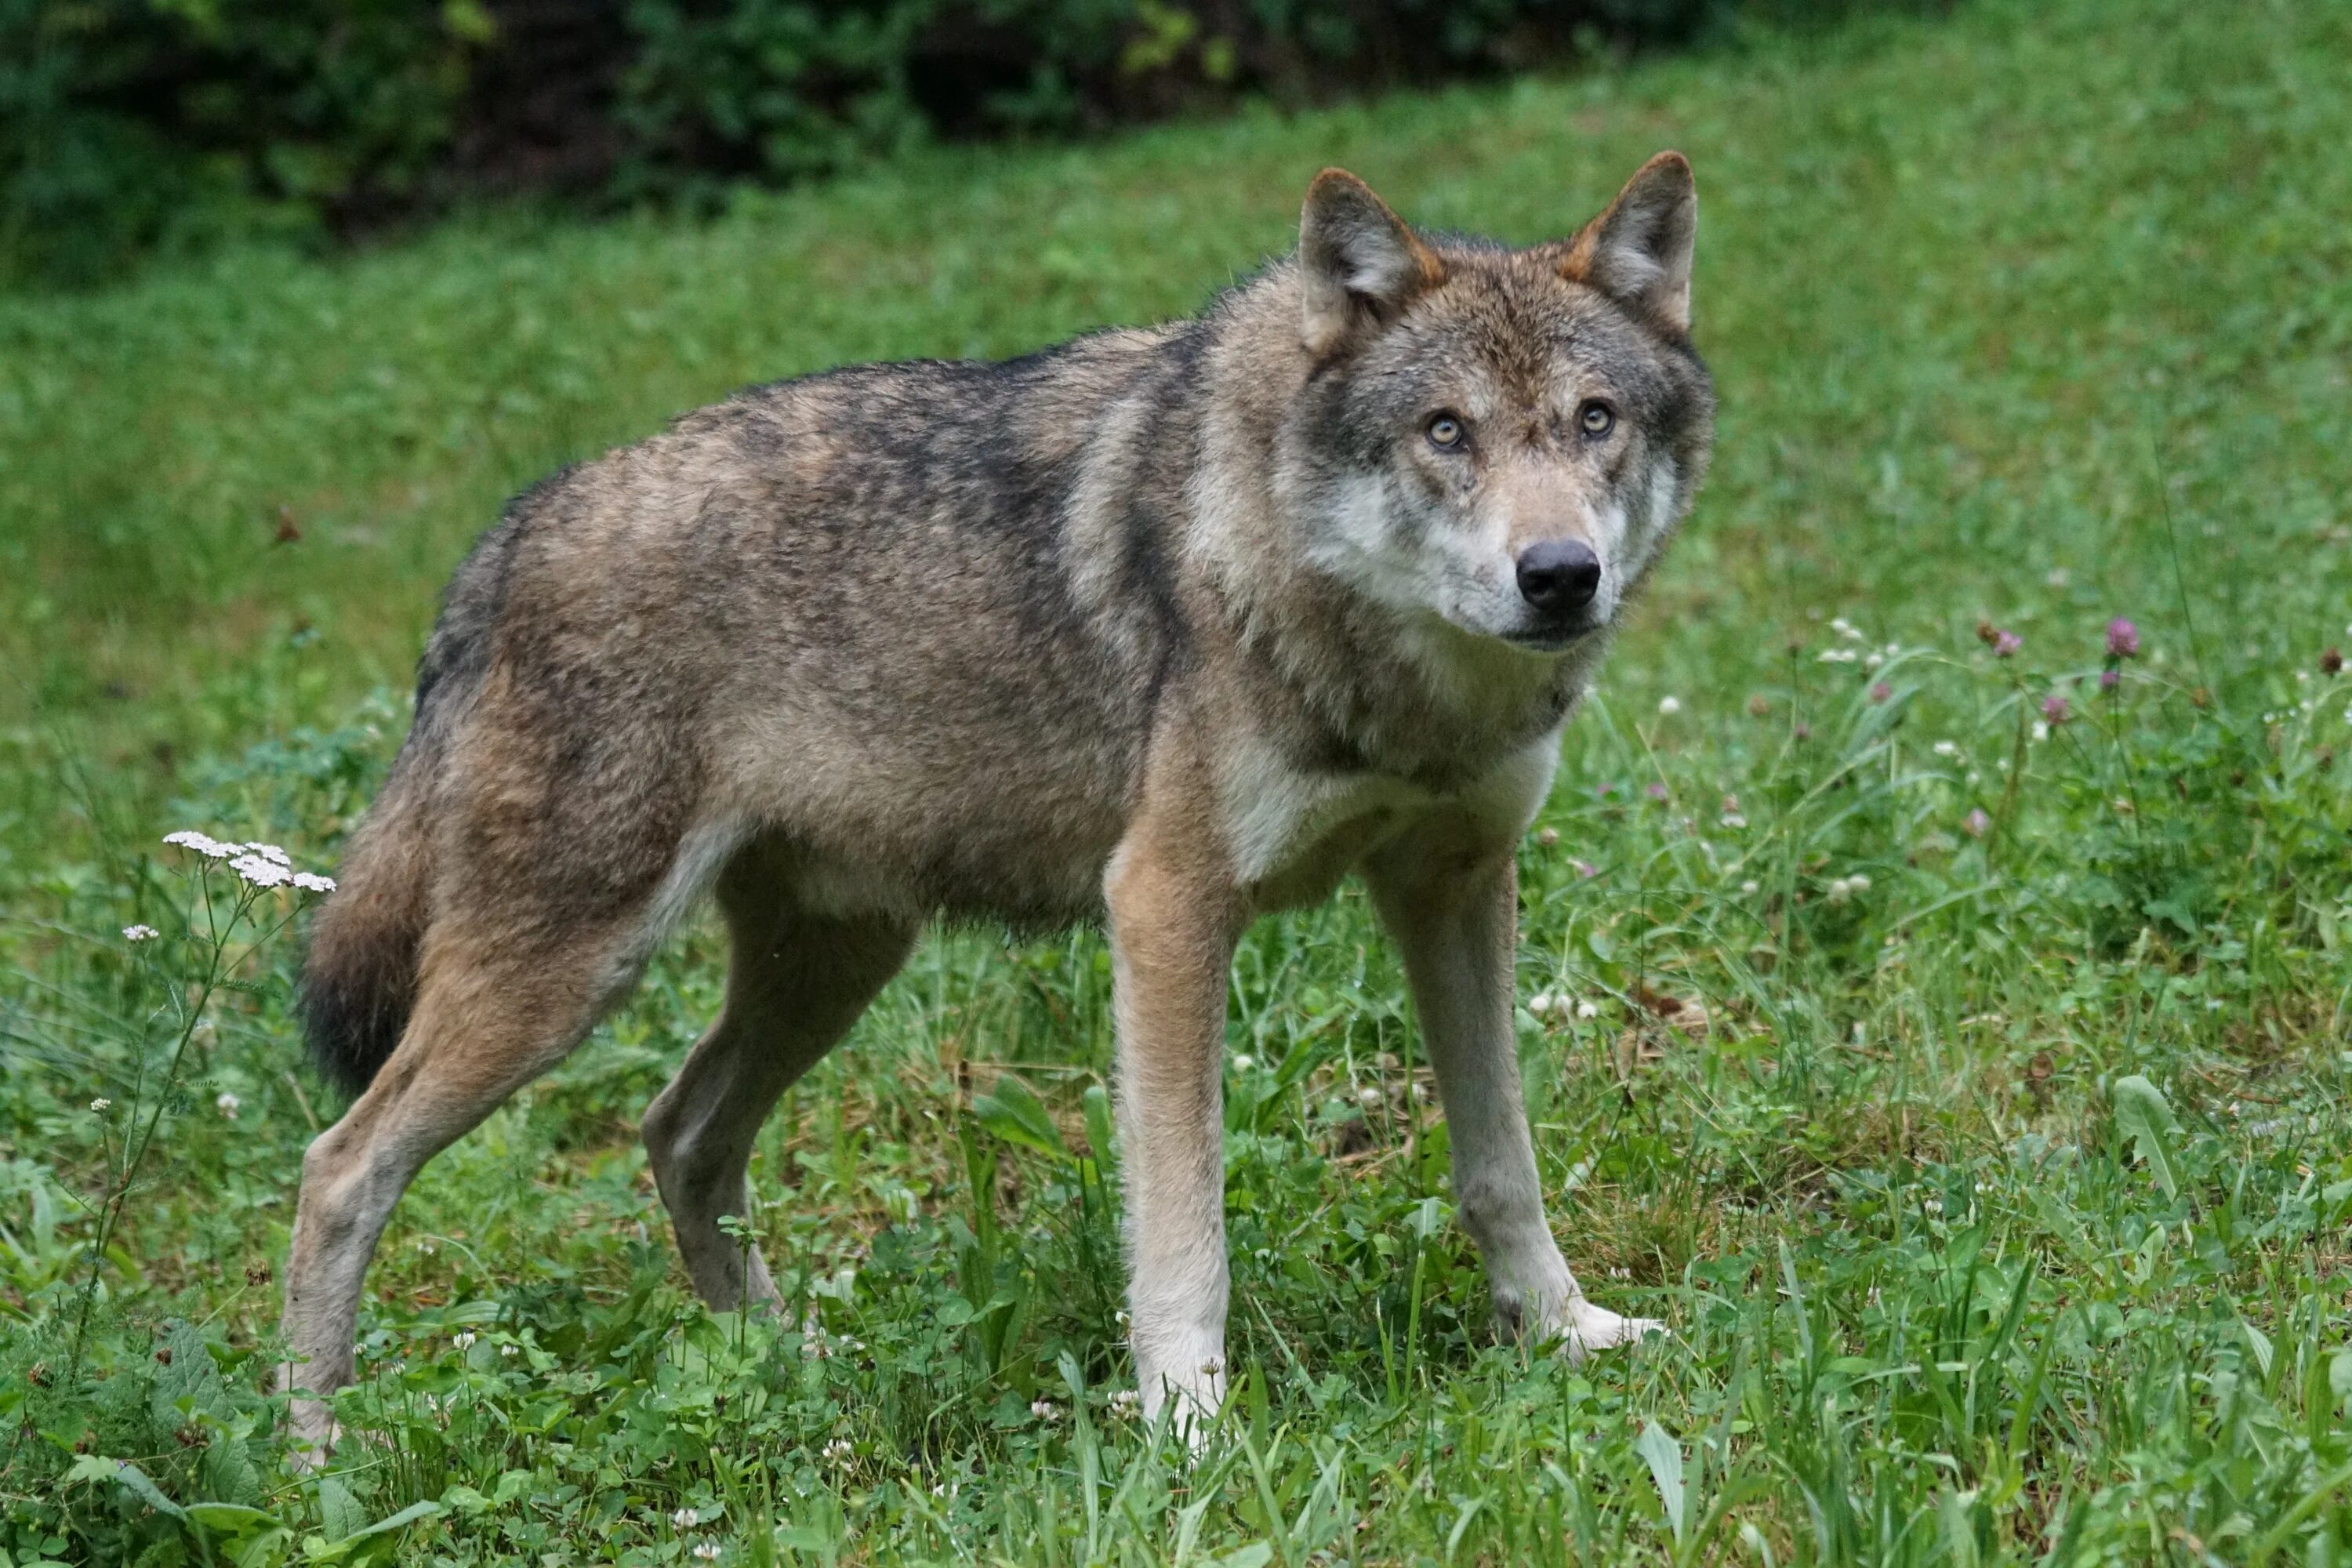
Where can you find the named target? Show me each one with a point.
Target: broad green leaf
(2142, 1116)
(1664, 1456)
(340, 1514)
(1012, 1112)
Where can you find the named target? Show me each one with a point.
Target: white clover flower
(1858, 882)
(508, 1350)
(1045, 1410)
(1243, 1062)
(708, 1551)
(1872, 661)
(1541, 1003)
(839, 1452)
(1126, 1403)
(1588, 1009)
(2040, 731)
(464, 1342)
(100, 1104)
(684, 1519)
(2058, 577)
(203, 844)
(261, 872)
(1367, 1097)
(227, 1104)
(311, 882)
(1846, 629)
(1947, 748)
(1670, 706)
(1838, 656)
(139, 933)
(1732, 819)
(1751, 887)
(1840, 890)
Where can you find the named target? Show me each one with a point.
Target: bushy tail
(360, 978)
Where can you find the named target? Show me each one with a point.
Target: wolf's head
(1500, 440)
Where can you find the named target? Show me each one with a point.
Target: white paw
(312, 1433)
(1584, 1328)
(1189, 1397)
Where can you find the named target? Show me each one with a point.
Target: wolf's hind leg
(795, 984)
(1455, 918)
(495, 1008)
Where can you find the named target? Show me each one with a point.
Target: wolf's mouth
(1550, 641)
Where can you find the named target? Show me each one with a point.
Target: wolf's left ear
(1639, 250)
(1357, 259)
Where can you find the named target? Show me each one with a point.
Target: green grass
(1992, 1169)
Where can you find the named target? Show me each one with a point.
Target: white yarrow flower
(1838, 656)
(311, 882)
(139, 933)
(201, 843)
(267, 852)
(261, 872)
(100, 1104)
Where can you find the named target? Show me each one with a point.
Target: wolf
(1161, 629)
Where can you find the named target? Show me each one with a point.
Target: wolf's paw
(1189, 1397)
(312, 1433)
(1583, 1328)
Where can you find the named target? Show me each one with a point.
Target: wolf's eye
(1445, 432)
(1596, 419)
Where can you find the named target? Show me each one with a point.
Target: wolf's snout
(1559, 574)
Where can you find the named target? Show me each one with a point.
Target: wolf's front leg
(1453, 912)
(1173, 922)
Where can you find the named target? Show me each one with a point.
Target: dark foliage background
(131, 126)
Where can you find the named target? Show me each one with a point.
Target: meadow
(1937, 951)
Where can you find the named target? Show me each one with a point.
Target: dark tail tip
(359, 982)
(352, 1022)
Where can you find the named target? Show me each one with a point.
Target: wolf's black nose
(1559, 574)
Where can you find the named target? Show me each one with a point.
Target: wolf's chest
(1293, 833)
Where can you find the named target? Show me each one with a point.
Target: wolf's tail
(359, 980)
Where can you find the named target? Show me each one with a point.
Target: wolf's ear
(1638, 251)
(1358, 260)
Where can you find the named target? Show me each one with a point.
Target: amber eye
(1445, 432)
(1596, 419)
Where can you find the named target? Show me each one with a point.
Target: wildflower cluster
(256, 864)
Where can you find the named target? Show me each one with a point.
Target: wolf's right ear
(1358, 261)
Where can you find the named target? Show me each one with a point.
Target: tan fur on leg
(795, 985)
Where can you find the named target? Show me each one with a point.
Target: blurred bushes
(129, 126)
